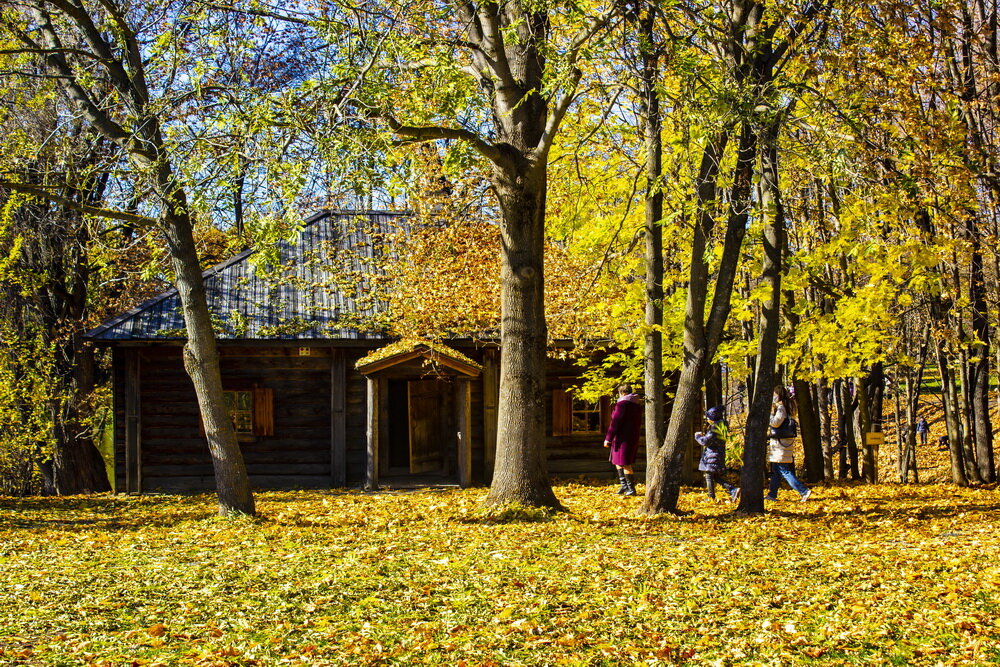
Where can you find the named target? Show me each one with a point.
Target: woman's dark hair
(787, 400)
(624, 388)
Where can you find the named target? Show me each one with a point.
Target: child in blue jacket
(713, 456)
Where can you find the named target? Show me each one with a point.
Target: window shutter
(562, 412)
(605, 414)
(263, 411)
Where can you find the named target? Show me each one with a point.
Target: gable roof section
(320, 289)
(404, 350)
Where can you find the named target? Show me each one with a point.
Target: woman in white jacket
(779, 450)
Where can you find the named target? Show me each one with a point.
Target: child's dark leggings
(711, 478)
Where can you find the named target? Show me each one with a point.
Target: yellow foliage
(867, 575)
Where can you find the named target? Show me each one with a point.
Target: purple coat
(713, 457)
(623, 433)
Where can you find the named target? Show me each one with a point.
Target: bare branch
(561, 104)
(45, 193)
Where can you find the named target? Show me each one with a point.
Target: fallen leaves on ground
(885, 574)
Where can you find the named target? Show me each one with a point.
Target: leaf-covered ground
(861, 575)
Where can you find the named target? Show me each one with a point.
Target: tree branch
(431, 133)
(561, 104)
(45, 193)
(100, 120)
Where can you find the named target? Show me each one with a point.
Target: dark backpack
(788, 429)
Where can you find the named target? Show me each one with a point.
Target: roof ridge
(227, 263)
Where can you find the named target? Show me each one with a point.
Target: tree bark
(758, 421)
(655, 426)
(145, 148)
(810, 431)
(520, 475)
(826, 431)
(979, 367)
(700, 341)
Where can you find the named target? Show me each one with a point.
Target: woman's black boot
(629, 484)
(621, 479)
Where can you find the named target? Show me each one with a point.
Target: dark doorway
(420, 439)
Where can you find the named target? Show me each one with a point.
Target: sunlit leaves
(878, 575)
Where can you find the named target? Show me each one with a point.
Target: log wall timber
(338, 419)
(374, 417)
(463, 423)
(173, 451)
(490, 388)
(133, 422)
(577, 454)
(320, 423)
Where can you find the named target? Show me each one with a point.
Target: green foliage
(27, 393)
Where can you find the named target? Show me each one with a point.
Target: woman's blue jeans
(779, 470)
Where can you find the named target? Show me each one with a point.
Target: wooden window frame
(261, 412)
(563, 410)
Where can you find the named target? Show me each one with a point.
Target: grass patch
(862, 575)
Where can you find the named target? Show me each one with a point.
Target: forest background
(825, 173)
(787, 192)
(815, 182)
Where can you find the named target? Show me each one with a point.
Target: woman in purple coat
(623, 436)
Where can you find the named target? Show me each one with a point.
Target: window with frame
(585, 416)
(573, 416)
(251, 411)
(239, 405)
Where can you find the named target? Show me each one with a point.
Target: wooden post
(133, 434)
(491, 393)
(338, 419)
(371, 465)
(463, 422)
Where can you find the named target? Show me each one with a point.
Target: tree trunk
(519, 475)
(979, 367)
(758, 421)
(201, 361)
(655, 428)
(848, 442)
(77, 465)
(809, 429)
(701, 341)
(826, 430)
(143, 143)
(949, 398)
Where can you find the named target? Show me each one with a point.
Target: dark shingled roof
(319, 289)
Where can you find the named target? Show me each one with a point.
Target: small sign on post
(874, 439)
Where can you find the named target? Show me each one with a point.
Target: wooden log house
(319, 395)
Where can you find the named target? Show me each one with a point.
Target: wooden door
(425, 407)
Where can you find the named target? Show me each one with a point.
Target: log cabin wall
(167, 447)
(577, 454)
(171, 454)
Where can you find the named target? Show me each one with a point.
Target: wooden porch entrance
(421, 431)
(419, 415)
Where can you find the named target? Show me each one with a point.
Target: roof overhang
(406, 350)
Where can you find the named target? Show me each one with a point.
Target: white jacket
(779, 450)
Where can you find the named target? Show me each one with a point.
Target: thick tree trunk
(520, 474)
(77, 465)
